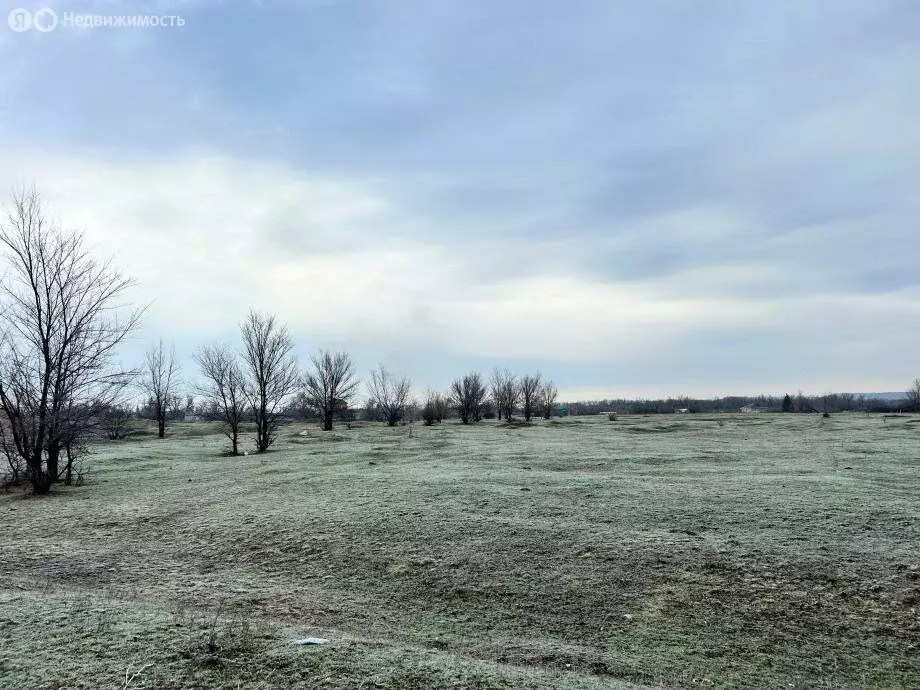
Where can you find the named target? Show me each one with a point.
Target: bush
(612, 416)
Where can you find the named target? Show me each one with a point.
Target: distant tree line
(798, 402)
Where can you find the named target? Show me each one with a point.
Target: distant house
(749, 409)
(192, 417)
(560, 411)
(682, 410)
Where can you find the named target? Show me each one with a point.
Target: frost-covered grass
(760, 550)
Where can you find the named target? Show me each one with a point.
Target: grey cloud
(539, 139)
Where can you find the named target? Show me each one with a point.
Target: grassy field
(674, 551)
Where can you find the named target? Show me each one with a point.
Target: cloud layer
(637, 200)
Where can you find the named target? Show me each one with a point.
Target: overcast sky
(635, 198)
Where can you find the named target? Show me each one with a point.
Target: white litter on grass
(311, 640)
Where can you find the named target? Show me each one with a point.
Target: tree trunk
(161, 427)
(40, 481)
(68, 471)
(54, 454)
(262, 429)
(262, 435)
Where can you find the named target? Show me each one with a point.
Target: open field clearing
(685, 551)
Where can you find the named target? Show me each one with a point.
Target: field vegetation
(664, 551)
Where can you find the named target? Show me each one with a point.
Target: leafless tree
(441, 407)
(224, 389)
(159, 381)
(547, 398)
(413, 411)
(115, 422)
(435, 407)
(175, 406)
(329, 385)
(913, 396)
(467, 395)
(271, 371)
(846, 401)
(529, 388)
(429, 409)
(61, 321)
(389, 394)
(505, 393)
(861, 403)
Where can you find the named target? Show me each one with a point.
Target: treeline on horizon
(799, 402)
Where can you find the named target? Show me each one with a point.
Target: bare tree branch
(388, 394)
(271, 372)
(547, 399)
(913, 396)
(160, 381)
(505, 393)
(467, 396)
(224, 388)
(329, 385)
(529, 391)
(61, 321)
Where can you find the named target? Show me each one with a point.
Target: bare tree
(496, 385)
(467, 395)
(441, 407)
(389, 394)
(529, 388)
(846, 401)
(330, 385)
(61, 321)
(435, 407)
(160, 381)
(271, 372)
(224, 389)
(505, 393)
(429, 409)
(114, 421)
(547, 398)
(913, 396)
(413, 411)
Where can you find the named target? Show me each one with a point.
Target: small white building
(751, 409)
